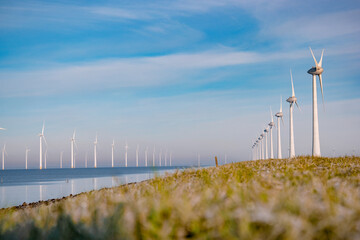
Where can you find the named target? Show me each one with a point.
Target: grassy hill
(302, 198)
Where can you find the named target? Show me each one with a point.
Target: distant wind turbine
(72, 143)
(126, 154)
(137, 155)
(153, 158)
(198, 156)
(61, 159)
(86, 160)
(146, 156)
(278, 116)
(27, 150)
(170, 159)
(166, 157)
(271, 125)
(45, 157)
(42, 137)
(160, 156)
(266, 130)
(316, 71)
(225, 158)
(112, 153)
(95, 154)
(292, 100)
(3, 156)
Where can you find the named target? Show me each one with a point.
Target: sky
(184, 76)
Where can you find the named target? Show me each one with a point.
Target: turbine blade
(292, 85)
(316, 63)
(282, 120)
(320, 62)
(76, 146)
(2, 129)
(74, 134)
(297, 105)
(280, 103)
(45, 140)
(322, 91)
(43, 128)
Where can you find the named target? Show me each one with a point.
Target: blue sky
(187, 76)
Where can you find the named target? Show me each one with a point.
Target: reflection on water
(13, 195)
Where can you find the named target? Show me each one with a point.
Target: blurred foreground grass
(303, 198)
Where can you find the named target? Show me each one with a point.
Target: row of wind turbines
(260, 146)
(43, 156)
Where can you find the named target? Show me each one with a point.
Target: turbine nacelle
(279, 115)
(291, 99)
(266, 130)
(271, 124)
(315, 71)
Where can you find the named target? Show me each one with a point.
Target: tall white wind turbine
(61, 159)
(292, 100)
(266, 130)
(3, 156)
(27, 150)
(95, 153)
(137, 155)
(271, 125)
(153, 159)
(146, 156)
(316, 71)
(279, 115)
(42, 137)
(112, 153)
(126, 154)
(72, 143)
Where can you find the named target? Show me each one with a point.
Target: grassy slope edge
(302, 198)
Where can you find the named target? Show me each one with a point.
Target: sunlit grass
(302, 198)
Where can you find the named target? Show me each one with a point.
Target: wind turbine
(61, 159)
(27, 150)
(45, 156)
(72, 140)
(271, 125)
(126, 153)
(137, 155)
(146, 156)
(160, 155)
(86, 159)
(198, 156)
(317, 70)
(153, 163)
(266, 130)
(42, 137)
(257, 150)
(170, 159)
(3, 156)
(292, 100)
(166, 157)
(262, 145)
(225, 158)
(112, 153)
(95, 143)
(279, 115)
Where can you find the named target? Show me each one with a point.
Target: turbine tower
(317, 70)
(198, 156)
(262, 145)
(72, 141)
(45, 156)
(279, 115)
(266, 130)
(27, 150)
(112, 153)
(170, 160)
(61, 159)
(166, 157)
(126, 153)
(292, 100)
(146, 156)
(137, 155)
(95, 143)
(42, 137)
(153, 163)
(271, 125)
(160, 156)
(3, 156)
(86, 159)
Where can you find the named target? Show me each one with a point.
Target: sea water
(19, 186)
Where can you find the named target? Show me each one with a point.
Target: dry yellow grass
(302, 198)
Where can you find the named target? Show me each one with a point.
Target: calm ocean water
(18, 186)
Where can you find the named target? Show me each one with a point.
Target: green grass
(303, 198)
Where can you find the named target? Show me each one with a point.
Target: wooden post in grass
(216, 161)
